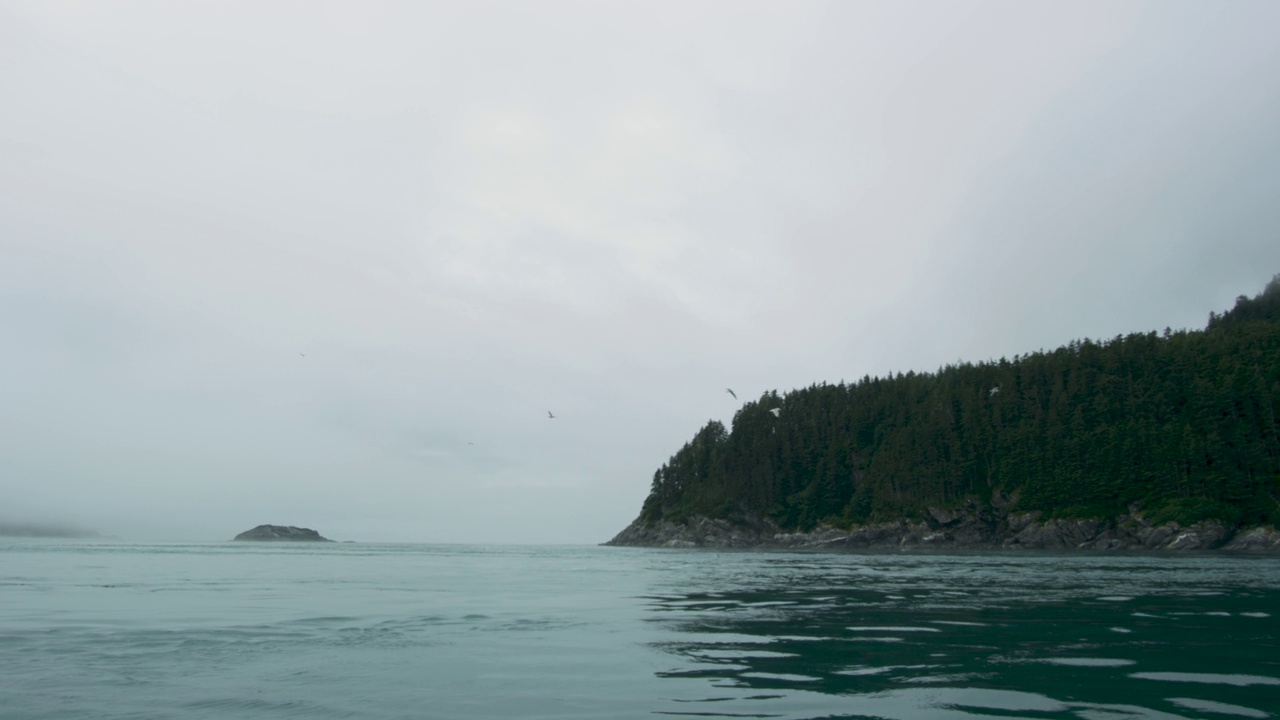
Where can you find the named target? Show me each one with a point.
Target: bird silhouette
(776, 411)
(550, 416)
(731, 392)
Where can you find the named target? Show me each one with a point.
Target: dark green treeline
(1182, 423)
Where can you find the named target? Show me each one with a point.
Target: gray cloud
(331, 266)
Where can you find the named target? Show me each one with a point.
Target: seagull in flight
(776, 411)
(731, 392)
(550, 416)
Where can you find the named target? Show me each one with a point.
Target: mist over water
(111, 630)
(44, 529)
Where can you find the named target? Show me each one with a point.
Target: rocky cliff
(973, 526)
(285, 533)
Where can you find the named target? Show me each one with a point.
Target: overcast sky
(331, 264)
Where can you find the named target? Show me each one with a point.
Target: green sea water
(233, 630)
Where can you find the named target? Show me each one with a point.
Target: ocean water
(232, 630)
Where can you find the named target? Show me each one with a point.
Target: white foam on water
(873, 638)
(895, 597)
(1218, 707)
(1219, 613)
(959, 622)
(1212, 678)
(1256, 614)
(1142, 614)
(1116, 598)
(1121, 630)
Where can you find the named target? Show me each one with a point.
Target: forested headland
(1171, 427)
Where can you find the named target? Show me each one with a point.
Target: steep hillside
(1165, 427)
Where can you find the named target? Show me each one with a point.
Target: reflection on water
(951, 637)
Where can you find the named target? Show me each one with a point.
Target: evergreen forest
(1178, 425)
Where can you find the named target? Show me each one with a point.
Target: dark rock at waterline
(972, 526)
(281, 533)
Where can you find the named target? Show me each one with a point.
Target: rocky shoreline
(971, 527)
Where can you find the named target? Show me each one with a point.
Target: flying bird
(776, 411)
(993, 391)
(731, 392)
(550, 416)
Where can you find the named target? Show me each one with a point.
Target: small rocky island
(281, 533)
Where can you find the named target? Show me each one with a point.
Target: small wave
(1120, 630)
(959, 622)
(733, 639)
(703, 670)
(325, 620)
(742, 654)
(957, 698)
(787, 677)
(939, 679)
(1211, 678)
(1218, 707)
(254, 705)
(1256, 614)
(892, 628)
(1086, 662)
(1116, 598)
(860, 671)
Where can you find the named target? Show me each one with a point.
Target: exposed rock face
(1259, 539)
(286, 533)
(973, 526)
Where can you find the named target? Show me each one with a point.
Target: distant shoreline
(37, 530)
